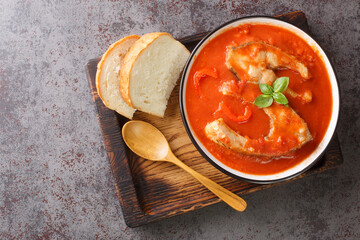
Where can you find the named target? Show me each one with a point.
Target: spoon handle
(230, 198)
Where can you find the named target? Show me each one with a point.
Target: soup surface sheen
(200, 110)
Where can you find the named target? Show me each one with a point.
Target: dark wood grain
(149, 191)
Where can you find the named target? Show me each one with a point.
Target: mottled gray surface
(55, 179)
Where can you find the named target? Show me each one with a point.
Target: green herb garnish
(273, 92)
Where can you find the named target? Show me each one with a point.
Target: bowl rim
(186, 123)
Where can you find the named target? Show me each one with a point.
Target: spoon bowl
(145, 140)
(148, 142)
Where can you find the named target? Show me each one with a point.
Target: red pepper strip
(239, 119)
(201, 74)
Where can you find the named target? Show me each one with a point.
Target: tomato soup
(203, 97)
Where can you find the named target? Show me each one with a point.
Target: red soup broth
(200, 110)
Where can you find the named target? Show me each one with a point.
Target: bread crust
(102, 61)
(129, 60)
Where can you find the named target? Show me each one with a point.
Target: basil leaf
(266, 89)
(263, 101)
(281, 84)
(280, 98)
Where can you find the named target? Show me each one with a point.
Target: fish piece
(288, 132)
(231, 88)
(234, 89)
(305, 97)
(256, 62)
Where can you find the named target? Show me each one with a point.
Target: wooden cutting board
(149, 191)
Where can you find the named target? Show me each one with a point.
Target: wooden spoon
(148, 142)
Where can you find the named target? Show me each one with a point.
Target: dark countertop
(55, 178)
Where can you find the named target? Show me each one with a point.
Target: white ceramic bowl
(306, 163)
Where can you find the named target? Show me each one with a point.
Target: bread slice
(150, 71)
(108, 74)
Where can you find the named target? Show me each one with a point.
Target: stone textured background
(55, 179)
